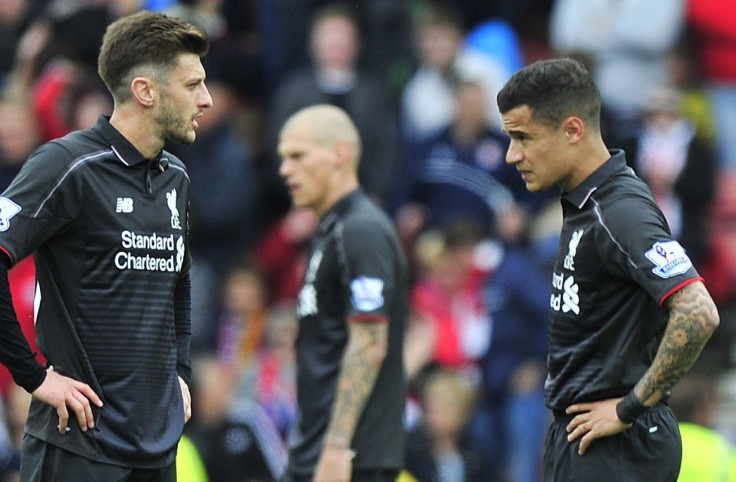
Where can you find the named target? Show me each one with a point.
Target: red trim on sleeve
(367, 319)
(679, 287)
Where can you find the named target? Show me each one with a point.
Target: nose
(514, 155)
(284, 168)
(205, 99)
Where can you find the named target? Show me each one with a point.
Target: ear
(342, 152)
(143, 90)
(574, 129)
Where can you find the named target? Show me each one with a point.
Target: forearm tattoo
(693, 318)
(360, 366)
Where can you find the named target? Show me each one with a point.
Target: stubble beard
(174, 128)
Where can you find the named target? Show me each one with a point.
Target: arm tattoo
(693, 318)
(361, 363)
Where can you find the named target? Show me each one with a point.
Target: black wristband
(630, 408)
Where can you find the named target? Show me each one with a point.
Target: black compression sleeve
(183, 322)
(15, 352)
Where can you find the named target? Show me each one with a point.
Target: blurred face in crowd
(335, 43)
(438, 44)
(470, 101)
(445, 410)
(19, 133)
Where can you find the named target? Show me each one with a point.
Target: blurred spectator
(269, 380)
(15, 16)
(16, 403)
(713, 27)
(511, 419)
(442, 56)
(386, 46)
(713, 24)
(688, 78)
(335, 78)
(460, 172)
(19, 136)
(449, 327)
(189, 465)
(237, 442)
(625, 44)
(706, 454)
(679, 168)
(205, 13)
(281, 254)
(242, 326)
(437, 448)
(235, 57)
(439, 33)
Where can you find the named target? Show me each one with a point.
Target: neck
(345, 188)
(590, 157)
(134, 128)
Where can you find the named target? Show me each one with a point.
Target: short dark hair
(336, 10)
(145, 39)
(554, 90)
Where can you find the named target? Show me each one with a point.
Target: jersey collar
(124, 150)
(580, 194)
(338, 210)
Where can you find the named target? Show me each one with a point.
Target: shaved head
(326, 124)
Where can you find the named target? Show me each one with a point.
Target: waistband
(562, 417)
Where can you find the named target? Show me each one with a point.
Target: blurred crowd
(419, 78)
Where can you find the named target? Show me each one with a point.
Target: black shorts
(43, 462)
(650, 450)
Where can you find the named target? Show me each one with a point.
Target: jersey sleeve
(38, 203)
(372, 271)
(636, 243)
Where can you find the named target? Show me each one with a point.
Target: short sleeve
(38, 203)
(372, 269)
(635, 241)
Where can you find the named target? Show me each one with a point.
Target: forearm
(15, 352)
(183, 327)
(361, 364)
(693, 319)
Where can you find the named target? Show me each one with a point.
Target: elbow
(711, 322)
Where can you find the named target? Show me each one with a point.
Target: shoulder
(69, 152)
(626, 200)
(365, 219)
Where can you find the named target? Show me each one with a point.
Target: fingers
(187, 399)
(63, 419)
(82, 409)
(65, 394)
(585, 442)
(88, 393)
(577, 428)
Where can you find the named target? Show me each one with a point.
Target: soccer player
(352, 310)
(105, 212)
(629, 313)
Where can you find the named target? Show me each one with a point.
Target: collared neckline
(123, 149)
(338, 209)
(580, 194)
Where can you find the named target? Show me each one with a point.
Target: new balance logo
(124, 205)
